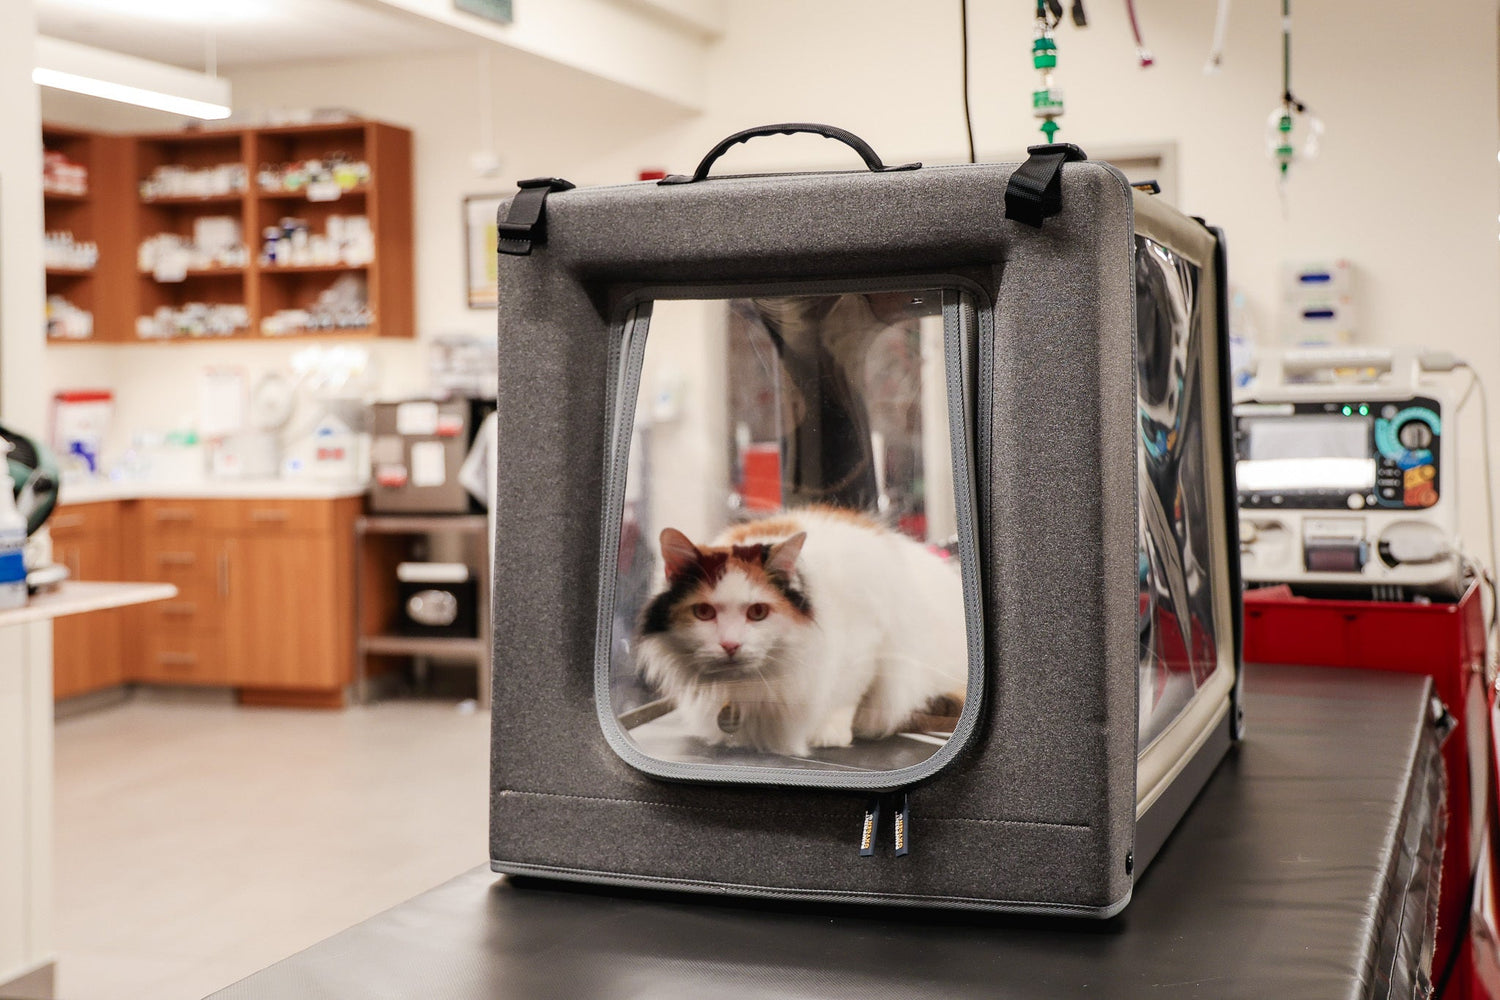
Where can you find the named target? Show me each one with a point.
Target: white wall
(156, 386)
(1388, 79)
(22, 285)
(1405, 185)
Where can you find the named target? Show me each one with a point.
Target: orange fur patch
(785, 525)
(775, 527)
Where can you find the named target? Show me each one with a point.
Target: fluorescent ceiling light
(116, 77)
(198, 12)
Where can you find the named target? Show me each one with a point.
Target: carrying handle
(871, 158)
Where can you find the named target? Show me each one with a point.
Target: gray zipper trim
(963, 301)
(819, 895)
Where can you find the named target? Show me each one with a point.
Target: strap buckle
(1034, 192)
(526, 224)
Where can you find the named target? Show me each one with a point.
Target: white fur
(887, 636)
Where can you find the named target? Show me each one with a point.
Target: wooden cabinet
(265, 597)
(94, 211)
(87, 653)
(383, 541)
(181, 640)
(236, 174)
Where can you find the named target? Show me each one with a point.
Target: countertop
(209, 489)
(76, 598)
(1305, 869)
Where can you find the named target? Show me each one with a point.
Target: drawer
(287, 517)
(168, 518)
(189, 613)
(185, 561)
(182, 659)
(75, 520)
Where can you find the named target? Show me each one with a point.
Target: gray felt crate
(1102, 534)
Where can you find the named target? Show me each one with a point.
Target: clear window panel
(1178, 644)
(788, 589)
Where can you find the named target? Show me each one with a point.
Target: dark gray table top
(1286, 879)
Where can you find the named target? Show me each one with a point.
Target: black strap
(1035, 189)
(526, 225)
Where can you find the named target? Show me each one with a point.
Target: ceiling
(244, 32)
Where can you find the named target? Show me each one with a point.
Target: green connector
(1049, 129)
(1044, 53)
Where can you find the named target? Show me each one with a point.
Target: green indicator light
(1348, 410)
(1364, 410)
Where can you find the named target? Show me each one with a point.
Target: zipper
(898, 804)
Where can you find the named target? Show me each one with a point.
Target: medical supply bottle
(12, 544)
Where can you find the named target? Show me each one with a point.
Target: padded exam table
(1307, 868)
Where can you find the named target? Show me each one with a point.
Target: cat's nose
(729, 647)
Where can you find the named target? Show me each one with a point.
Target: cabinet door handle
(177, 659)
(176, 558)
(175, 514)
(180, 608)
(74, 563)
(67, 521)
(270, 515)
(224, 573)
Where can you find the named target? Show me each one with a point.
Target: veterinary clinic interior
(643, 498)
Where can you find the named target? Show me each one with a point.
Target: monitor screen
(1310, 452)
(1313, 436)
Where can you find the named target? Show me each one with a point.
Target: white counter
(26, 763)
(209, 489)
(81, 597)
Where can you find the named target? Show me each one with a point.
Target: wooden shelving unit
(97, 216)
(118, 217)
(385, 200)
(382, 541)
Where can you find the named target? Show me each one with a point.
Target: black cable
(963, 27)
(1460, 935)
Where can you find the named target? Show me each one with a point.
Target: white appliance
(1347, 471)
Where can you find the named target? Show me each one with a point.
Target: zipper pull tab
(903, 826)
(871, 828)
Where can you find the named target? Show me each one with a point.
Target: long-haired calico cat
(805, 630)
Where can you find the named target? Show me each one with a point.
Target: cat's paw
(836, 731)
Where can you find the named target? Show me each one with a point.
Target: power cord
(963, 27)
(1477, 385)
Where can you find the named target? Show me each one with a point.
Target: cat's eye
(757, 612)
(703, 612)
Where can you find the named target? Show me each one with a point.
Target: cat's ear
(783, 555)
(677, 553)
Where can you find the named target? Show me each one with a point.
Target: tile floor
(198, 841)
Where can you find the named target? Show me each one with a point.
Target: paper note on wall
(221, 402)
(418, 419)
(428, 465)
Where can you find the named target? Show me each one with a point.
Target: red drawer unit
(1446, 641)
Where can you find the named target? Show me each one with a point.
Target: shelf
(412, 524)
(197, 272)
(301, 195)
(217, 338)
(358, 332)
(69, 272)
(412, 645)
(197, 199)
(63, 196)
(312, 268)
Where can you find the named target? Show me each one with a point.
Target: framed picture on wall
(480, 240)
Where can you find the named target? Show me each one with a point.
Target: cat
(806, 629)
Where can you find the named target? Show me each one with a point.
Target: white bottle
(12, 545)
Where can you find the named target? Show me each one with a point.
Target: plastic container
(12, 546)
